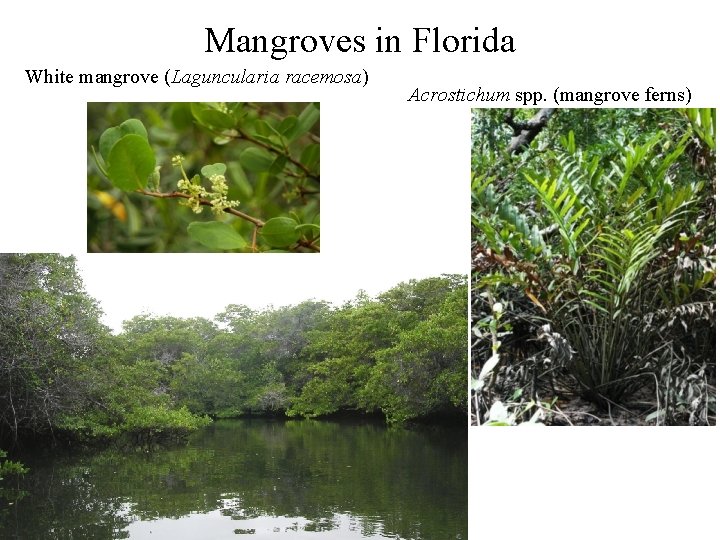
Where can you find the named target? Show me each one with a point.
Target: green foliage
(328, 390)
(615, 206)
(561, 207)
(216, 235)
(280, 231)
(404, 354)
(64, 375)
(123, 401)
(48, 326)
(10, 467)
(425, 368)
(212, 386)
(130, 163)
(261, 160)
(145, 425)
(112, 135)
(704, 124)
(9, 493)
(62, 372)
(163, 340)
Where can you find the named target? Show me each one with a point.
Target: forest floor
(577, 411)
(566, 407)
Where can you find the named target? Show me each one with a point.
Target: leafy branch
(283, 153)
(129, 163)
(203, 202)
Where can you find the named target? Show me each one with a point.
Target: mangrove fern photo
(593, 267)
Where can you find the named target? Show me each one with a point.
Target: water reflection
(265, 479)
(211, 525)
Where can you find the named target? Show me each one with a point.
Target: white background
(395, 201)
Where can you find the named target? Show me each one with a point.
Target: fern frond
(565, 210)
(502, 222)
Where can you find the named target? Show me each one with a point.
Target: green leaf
(310, 157)
(278, 165)
(180, 116)
(112, 135)
(307, 119)
(216, 119)
(660, 413)
(489, 365)
(304, 226)
(211, 118)
(287, 125)
(273, 135)
(263, 128)
(280, 232)
(577, 232)
(216, 235)
(130, 162)
(238, 177)
(256, 159)
(208, 171)
(97, 162)
(309, 230)
(237, 111)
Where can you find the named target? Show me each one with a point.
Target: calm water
(254, 479)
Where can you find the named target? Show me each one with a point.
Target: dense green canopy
(63, 374)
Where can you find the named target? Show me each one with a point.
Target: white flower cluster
(196, 192)
(217, 194)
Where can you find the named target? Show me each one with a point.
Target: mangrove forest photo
(593, 267)
(313, 420)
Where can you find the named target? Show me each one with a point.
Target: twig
(204, 202)
(254, 240)
(303, 168)
(476, 400)
(242, 135)
(262, 111)
(565, 416)
(588, 414)
(309, 244)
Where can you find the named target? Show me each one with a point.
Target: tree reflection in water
(302, 479)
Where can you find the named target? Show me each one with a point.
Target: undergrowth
(594, 269)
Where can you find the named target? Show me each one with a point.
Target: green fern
(616, 264)
(566, 213)
(704, 124)
(502, 223)
(604, 321)
(584, 174)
